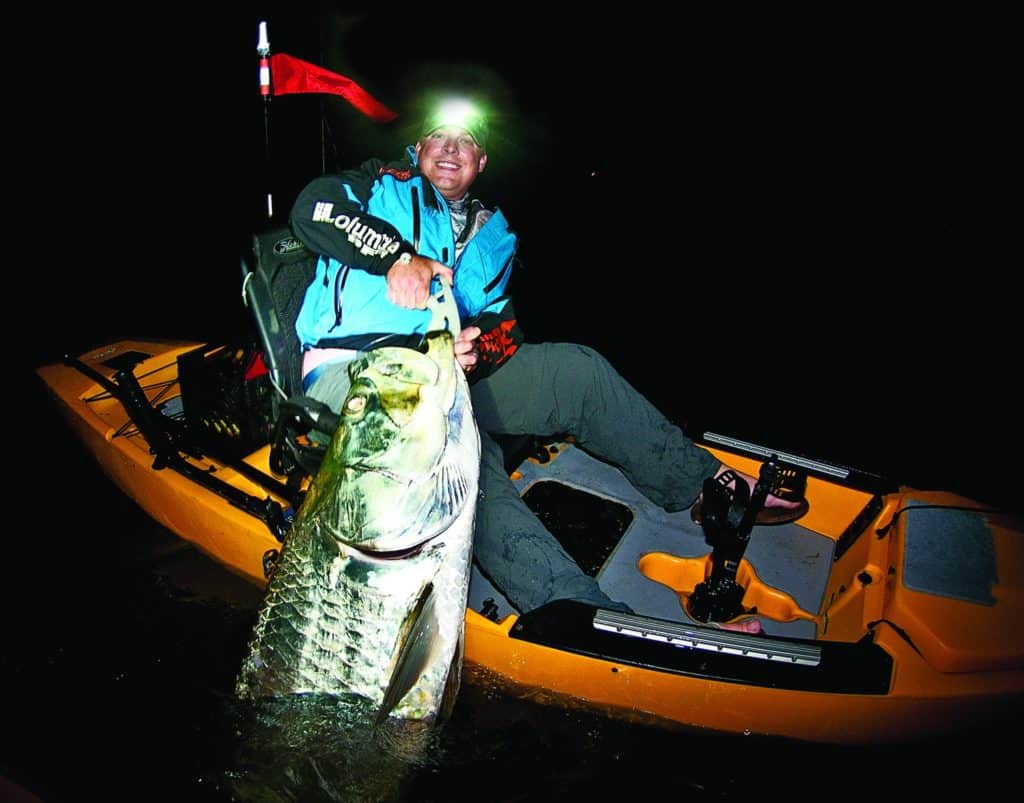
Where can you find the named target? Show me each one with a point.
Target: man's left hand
(465, 348)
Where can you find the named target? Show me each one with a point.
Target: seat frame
(274, 281)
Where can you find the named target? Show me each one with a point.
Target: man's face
(450, 158)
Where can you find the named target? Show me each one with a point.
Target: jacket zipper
(339, 292)
(415, 219)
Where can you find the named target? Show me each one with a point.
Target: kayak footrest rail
(669, 646)
(701, 638)
(833, 472)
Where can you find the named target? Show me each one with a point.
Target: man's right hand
(409, 282)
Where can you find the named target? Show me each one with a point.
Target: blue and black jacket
(361, 222)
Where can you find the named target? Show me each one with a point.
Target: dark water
(121, 645)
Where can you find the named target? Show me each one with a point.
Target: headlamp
(461, 113)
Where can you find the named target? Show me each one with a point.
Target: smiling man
(452, 151)
(384, 232)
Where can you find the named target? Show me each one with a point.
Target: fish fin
(415, 653)
(450, 495)
(452, 683)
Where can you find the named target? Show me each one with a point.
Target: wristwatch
(405, 257)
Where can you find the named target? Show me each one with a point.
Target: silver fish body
(368, 597)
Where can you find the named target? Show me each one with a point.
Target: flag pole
(282, 74)
(263, 50)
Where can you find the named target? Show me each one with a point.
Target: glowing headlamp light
(461, 113)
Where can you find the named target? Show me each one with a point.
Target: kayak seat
(274, 280)
(273, 285)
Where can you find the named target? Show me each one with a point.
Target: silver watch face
(405, 258)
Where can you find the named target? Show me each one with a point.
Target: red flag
(291, 76)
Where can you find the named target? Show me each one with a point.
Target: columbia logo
(323, 212)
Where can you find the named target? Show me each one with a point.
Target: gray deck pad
(485, 598)
(788, 557)
(949, 553)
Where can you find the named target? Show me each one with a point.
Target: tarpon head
(400, 459)
(368, 597)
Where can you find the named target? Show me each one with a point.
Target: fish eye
(390, 368)
(355, 404)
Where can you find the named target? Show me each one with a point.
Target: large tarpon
(367, 601)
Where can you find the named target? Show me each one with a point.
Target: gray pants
(554, 389)
(563, 388)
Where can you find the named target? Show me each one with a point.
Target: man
(385, 230)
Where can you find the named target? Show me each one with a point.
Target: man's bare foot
(775, 510)
(749, 625)
(771, 500)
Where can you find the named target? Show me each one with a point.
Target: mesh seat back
(274, 286)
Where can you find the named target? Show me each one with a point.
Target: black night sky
(787, 228)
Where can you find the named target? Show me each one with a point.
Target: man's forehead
(451, 128)
(454, 130)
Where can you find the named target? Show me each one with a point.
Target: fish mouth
(394, 476)
(388, 555)
(372, 538)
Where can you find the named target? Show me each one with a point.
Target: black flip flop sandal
(792, 490)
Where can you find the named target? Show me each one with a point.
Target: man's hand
(409, 282)
(465, 348)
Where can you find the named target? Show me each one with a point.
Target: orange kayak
(888, 613)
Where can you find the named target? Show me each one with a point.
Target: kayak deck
(789, 557)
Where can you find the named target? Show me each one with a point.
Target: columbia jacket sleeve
(330, 217)
(500, 336)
